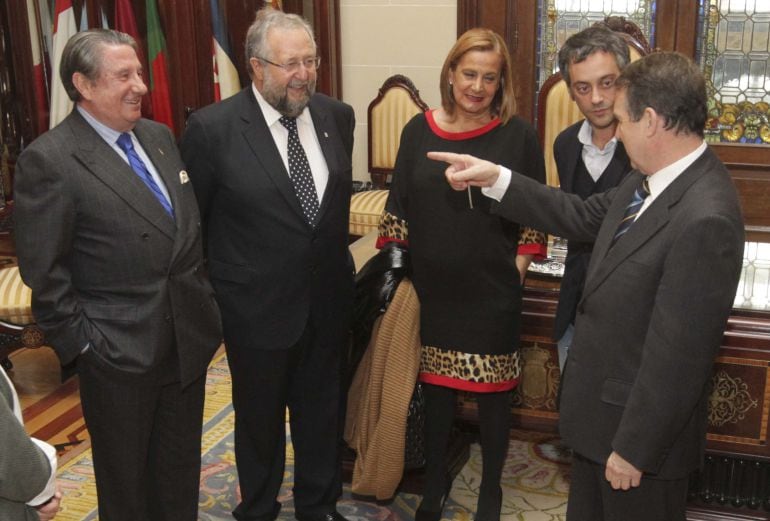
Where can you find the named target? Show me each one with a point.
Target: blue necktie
(299, 172)
(632, 210)
(125, 144)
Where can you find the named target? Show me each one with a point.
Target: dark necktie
(299, 172)
(632, 210)
(127, 146)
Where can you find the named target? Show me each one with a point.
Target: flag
(46, 33)
(226, 81)
(63, 28)
(125, 22)
(159, 85)
(83, 18)
(105, 25)
(46, 25)
(38, 73)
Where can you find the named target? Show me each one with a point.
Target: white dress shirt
(111, 137)
(596, 159)
(657, 182)
(307, 137)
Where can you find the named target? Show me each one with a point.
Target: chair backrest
(556, 110)
(396, 103)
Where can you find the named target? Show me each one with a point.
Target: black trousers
(145, 440)
(592, 498)
(305, 378)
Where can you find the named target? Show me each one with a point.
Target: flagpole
(45, 53)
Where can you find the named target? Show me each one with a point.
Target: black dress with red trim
(463, 257)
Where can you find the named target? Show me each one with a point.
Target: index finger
(447, 157)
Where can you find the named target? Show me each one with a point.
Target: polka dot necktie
(299, 172)
(632, 210)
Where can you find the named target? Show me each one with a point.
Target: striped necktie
(127, 146)
(299, 172)
(632, 210)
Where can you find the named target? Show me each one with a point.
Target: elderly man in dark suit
(271, 167)
(660, 286)
(108, 238)
(589, 158)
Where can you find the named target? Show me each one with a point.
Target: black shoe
(331, 516)
(429, 515)
(489, 509)
(422, 514)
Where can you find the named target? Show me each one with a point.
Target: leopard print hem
(529, 235)
(392, 227)
(469, 366)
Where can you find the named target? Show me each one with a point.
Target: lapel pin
(161, 152)
(183, 177)
(326, 135)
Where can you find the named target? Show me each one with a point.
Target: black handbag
(414, 449)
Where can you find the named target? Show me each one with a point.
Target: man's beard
(278, 97)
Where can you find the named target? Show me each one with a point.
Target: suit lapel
(605, 259)
(103, 162)
(328, 138)
(260, 140)
(573, 155)
(161, 157)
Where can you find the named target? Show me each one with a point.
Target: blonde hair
(478, 39)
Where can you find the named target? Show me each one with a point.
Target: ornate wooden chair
(396, 103)
(17, 326)
(556, 110)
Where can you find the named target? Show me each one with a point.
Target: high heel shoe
(423, 514)
(489, 510)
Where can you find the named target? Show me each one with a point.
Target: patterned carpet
(534, 480)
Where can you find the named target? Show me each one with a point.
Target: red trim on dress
(540, 251)
(382, 241)
(465, 385)
(459, 136)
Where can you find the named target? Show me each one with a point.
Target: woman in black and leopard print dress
(467, 265)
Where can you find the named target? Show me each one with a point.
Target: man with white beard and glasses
(271, 169)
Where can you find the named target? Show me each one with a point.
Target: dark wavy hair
(596, 38)
(670, 84)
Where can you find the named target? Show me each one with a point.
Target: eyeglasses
(293, 66)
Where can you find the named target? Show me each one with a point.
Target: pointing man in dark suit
(660, 286)
(588, 156)
(271, 167)
(108, 238)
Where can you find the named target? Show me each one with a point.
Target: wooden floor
(51, 408)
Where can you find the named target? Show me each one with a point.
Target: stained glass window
(734, 52)
(560, 19)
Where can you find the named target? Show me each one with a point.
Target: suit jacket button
(145, 236)
(167, 318)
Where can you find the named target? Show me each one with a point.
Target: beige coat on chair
(378, 400)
